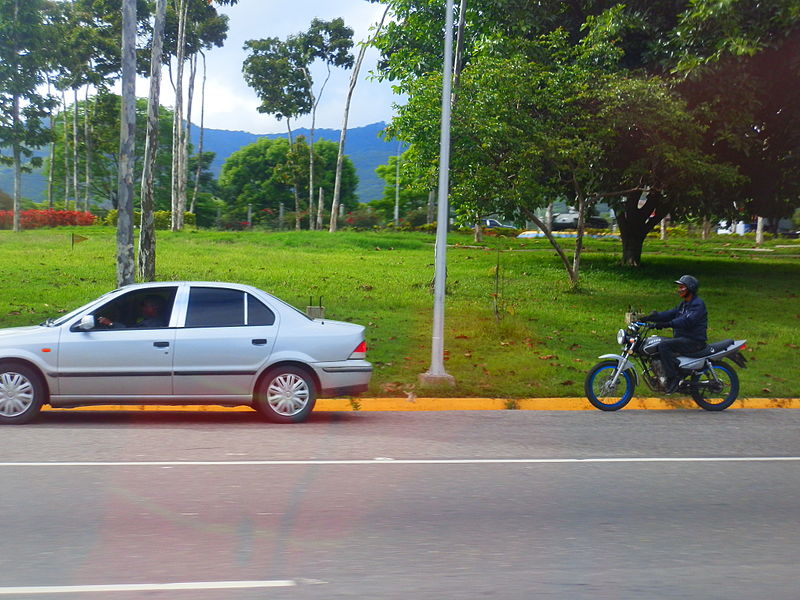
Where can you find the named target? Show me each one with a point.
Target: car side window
(257, 313)
(215, 307)
(150, 308)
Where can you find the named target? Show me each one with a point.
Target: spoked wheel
(286, 395)
(715, 388)
(22, 394)
(602, 393)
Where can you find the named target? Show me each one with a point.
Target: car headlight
(621, 337)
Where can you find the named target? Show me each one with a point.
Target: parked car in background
(494, 224)
(182, 343)
(570, 221)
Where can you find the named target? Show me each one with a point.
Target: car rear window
(219, 307)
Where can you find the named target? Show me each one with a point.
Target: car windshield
(51, 322)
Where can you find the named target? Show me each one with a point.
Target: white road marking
(144, 587)
(402, 461)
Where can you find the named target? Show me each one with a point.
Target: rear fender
(733, 352)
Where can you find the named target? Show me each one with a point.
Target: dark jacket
(688, 319)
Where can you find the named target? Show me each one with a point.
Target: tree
(104, 122)
(262, 174)
(125, 259)
(653, 43)
(279, 72)
(343, 133)
(412, 197)
(23, 60)
(192, 26)
(330, 42)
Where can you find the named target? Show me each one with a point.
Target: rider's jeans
(669, 348)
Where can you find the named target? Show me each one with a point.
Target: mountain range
(364, 146)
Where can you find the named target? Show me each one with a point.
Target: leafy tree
(193, 25)
(262, 174)
(280, 73)
(411, 197)
(24, 43)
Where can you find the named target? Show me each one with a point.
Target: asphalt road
(489, 504)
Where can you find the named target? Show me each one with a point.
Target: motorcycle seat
(710, 349)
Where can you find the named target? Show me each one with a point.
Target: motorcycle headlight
(621, 337)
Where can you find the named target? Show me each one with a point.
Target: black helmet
(690, 282)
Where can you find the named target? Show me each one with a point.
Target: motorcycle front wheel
(715, 393)
(601, 393)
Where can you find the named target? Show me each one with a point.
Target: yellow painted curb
(452, 404)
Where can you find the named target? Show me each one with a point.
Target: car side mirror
(86, 323)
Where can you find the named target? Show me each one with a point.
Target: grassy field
(513, 327)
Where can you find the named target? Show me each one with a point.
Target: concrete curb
(455, 404)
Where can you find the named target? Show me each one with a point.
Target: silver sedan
(182, 343)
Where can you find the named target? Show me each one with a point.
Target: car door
(123, 361)
(227, 336)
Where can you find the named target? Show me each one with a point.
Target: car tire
(286, 395)
(22, 394)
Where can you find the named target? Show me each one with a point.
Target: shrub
(34, 219)
(362, 218)
(161, 218)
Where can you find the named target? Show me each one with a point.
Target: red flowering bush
(33, 219)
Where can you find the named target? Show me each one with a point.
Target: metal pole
(436, 373)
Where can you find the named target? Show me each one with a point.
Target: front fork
(623, 364)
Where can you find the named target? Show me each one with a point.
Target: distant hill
(364, 146)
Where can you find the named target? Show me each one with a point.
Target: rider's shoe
(673, 385)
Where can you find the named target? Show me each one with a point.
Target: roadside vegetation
(514, 326)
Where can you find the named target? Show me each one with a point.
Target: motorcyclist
(689, 322)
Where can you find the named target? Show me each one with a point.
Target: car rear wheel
(286, 395)
(22, 394)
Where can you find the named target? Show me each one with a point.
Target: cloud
(231, 104)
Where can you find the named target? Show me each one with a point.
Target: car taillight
(360, 352)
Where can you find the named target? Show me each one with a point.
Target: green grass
(514, 332)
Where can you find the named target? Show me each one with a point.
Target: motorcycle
(712, 383)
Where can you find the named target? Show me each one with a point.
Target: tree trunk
(397, 189)
(75, 161)
(66, 150)
(706, 228)
(125, 258)
(193, 206)
(760, 231)
(337, 185)
(531, 216)
(294, 179)
(320, 207)
(51, 167)
(88, 149)
(187, 133)
(635, 222)
(15, 119)
(177, 121)
(431, 204)
(147, 233)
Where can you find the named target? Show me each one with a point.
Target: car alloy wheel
(287, 395)
(21, 394)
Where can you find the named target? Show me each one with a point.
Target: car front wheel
(22, 394)
(286, 395)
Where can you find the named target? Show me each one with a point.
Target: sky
(231, 104)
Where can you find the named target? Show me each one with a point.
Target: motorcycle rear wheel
(714, 395)
(602, 397)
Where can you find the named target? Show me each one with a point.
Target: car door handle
(161, 344)
(259, 342)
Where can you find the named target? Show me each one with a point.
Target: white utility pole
(436, 374)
